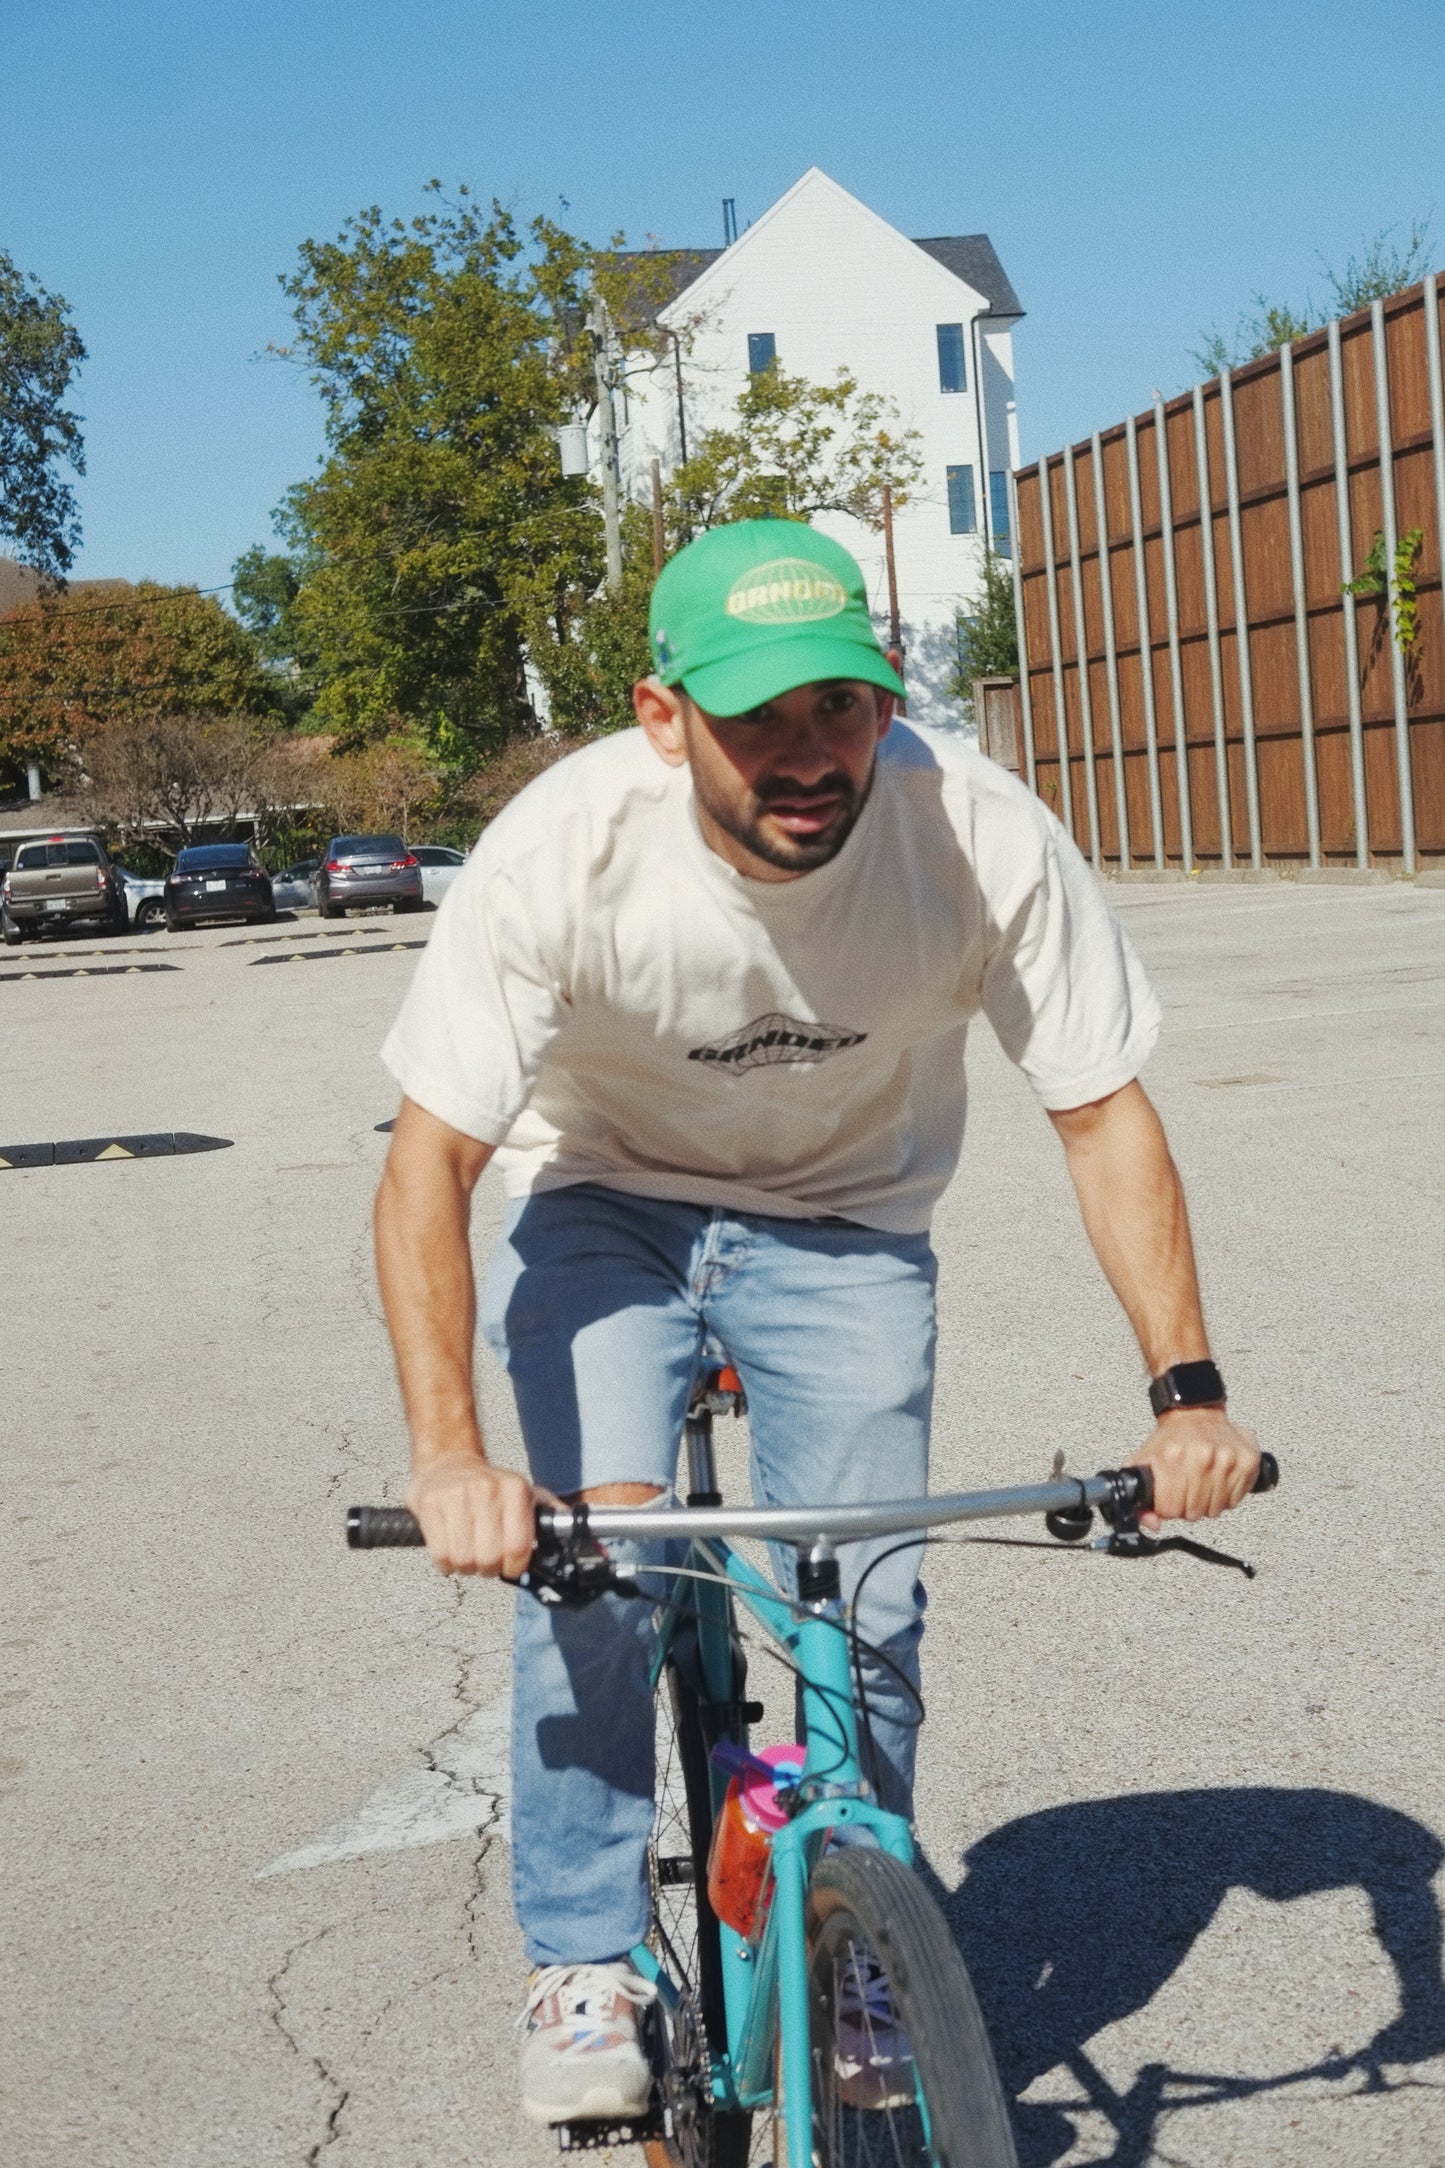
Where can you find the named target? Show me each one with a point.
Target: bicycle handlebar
(1121, 1491)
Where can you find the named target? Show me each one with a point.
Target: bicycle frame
(765, 1986)
(768, 1983)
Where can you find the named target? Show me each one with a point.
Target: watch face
(1187, 1385)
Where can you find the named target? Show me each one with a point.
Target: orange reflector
(728, 1380)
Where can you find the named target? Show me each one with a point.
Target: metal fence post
(1301, 612)
(1081, 643)
(1026, 703)
(1397, 655)
(1061, 713)
(1176, 666)
(1241, 620)
(1437, 419)
(1111, 658)
(1347, 600)
(1211, 619)
(1146, 643)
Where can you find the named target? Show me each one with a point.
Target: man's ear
(659, 710)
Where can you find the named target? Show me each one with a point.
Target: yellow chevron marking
(115, 1151)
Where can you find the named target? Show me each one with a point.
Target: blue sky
(1142, 170)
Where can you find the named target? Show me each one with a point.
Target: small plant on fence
(1374, 580)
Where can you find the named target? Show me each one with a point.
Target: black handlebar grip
(1143, 1479)
(379, 1528)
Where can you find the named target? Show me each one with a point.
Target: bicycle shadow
(1074, 1918)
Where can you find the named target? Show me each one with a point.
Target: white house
(823, 283)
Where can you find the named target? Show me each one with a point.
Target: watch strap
(1187, 1385)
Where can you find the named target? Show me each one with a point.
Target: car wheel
(149, 912)
(10, 933)
(172, 922)
(331, 910)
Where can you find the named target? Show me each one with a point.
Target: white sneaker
(873, 2056)
(582, 2058)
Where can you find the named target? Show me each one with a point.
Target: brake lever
(569, 1572)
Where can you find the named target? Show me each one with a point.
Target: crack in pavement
(327, 2076)
(460, 1789)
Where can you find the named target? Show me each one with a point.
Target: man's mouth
(805, 813)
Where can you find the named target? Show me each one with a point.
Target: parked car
(359, 870)
(145, 897)
(58, 882)
(294, 886)
(217, 880)
(439, 868)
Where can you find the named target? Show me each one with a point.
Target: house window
(952, 372)
(762, 352)
(998, 510)
(962, 518)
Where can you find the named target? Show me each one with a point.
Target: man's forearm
(424, 1266)
(1132, 1202)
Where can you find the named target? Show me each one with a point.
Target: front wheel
(149, 912)
(903, 2074)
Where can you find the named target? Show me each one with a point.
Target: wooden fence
(1319, 737)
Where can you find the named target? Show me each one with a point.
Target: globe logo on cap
(789, 591)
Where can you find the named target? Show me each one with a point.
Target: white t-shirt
(606, 1000)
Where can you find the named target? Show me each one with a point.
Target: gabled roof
(969, 256)
(973, 258)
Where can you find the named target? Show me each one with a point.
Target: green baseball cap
(754, 609)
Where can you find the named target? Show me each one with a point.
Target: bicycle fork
(775, 1989)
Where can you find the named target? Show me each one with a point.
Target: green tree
(796, 449)
(988, 635)
(439, 537)
(40, 351)
(1383, 267)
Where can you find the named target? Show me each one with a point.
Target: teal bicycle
(836, 2027)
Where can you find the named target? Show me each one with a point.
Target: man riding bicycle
(703, 991)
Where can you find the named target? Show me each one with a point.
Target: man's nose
(806, 754)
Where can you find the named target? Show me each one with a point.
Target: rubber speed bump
(86, 1151)
(326, 956)
(91, 971)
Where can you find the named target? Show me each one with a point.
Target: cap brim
(781, 665)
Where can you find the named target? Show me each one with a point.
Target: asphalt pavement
(1188, 1826)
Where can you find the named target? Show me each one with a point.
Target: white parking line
(462, 1788)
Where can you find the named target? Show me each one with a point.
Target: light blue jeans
(600, 1304)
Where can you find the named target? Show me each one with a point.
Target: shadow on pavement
(1074, 1918)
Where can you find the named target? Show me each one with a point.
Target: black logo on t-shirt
(772, 1039)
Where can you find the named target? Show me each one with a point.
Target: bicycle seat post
(717, 1392)
(702, 1487)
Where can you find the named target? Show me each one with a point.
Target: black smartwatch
(1187, 1385)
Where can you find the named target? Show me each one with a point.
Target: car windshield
(67, 851)
(214, 858)
(368, 847)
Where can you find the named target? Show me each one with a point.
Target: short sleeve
(480, 1013)
(1063, 987)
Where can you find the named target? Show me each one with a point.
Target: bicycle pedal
(595, 2136)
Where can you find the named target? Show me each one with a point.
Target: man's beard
(791, 854)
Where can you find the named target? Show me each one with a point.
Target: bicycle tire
(685, 1928)
(862, 1900)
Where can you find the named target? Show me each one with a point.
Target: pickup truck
(58, 881)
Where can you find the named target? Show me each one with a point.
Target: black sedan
(217, 880)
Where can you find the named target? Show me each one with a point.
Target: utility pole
(604, 362)
(659, 540)
(895, 623)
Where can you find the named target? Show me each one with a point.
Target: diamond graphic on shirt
(769, 1040)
